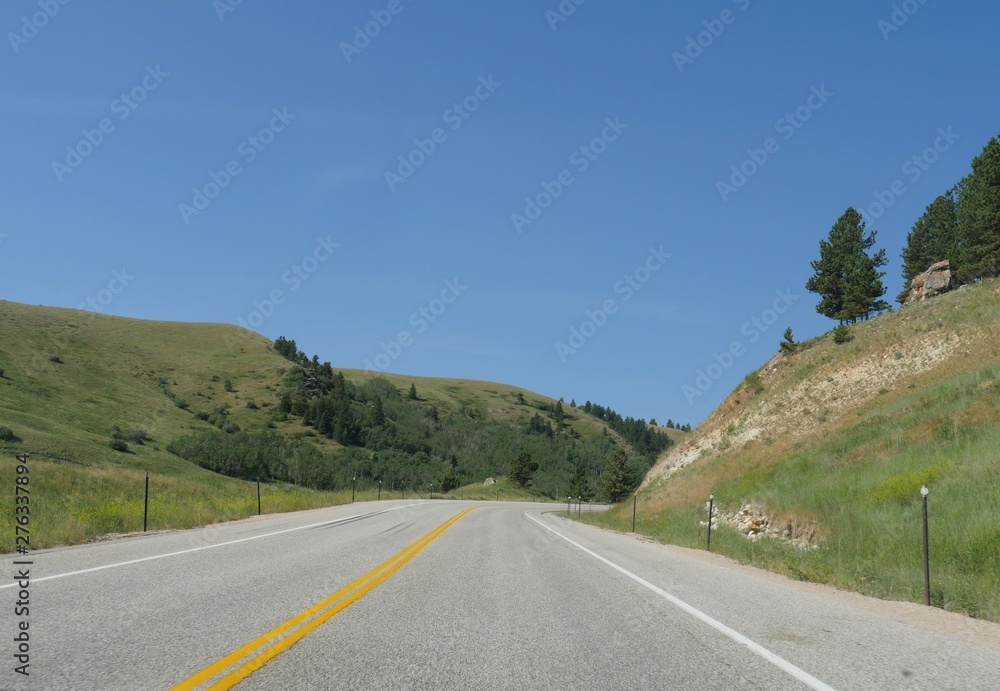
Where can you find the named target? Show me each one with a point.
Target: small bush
(7, 434)
(228, 385)
(119, 445)
(56, 359)
(202, 415)
(842, 334)
(137, 434)
(904, 489)
(251, 404)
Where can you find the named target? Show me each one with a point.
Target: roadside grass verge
(862, 487)
(73, 503)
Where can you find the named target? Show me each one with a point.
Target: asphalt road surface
(449, 595)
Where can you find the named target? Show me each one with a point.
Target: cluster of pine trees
(397, 439)
(962, 225)
(643, 438)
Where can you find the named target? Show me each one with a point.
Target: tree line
(962, 225)
(405, 442)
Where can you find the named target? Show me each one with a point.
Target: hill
(181, 400)
(817, 459)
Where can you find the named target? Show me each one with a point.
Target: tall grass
(73, 503)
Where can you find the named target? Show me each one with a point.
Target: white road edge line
(760, 650)
(199, 549)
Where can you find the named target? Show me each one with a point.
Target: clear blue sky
(309, 114)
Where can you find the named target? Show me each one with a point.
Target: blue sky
(451, 189)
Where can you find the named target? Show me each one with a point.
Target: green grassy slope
(835, 442)
(70, 377)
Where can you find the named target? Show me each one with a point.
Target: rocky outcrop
(753, 521)
(934, 281)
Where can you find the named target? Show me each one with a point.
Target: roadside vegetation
(855, 470)
(97, 401)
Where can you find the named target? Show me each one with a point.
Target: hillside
(73, 380)
(816, 460)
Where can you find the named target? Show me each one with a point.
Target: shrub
(752, 384)
(251, 404)
(1, 372)
(137, 434)
(55, 359)
(7, 434)
(842, 334)
(118, 445)
(228, 385)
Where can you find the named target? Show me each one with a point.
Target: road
(417, 595)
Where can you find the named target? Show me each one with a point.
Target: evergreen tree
(788, 344)
(617, 481)
(521, 469)
(560, 415)
(934, 238)
(670, 424)
(578, 485)
(979, 217)
(413, 392)
(847, 278)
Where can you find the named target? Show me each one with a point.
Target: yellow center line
(287, 634)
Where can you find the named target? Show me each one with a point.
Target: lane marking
(778, 661)
(245, 660)
(199, 549)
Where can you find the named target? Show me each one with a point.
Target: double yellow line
(241, 663)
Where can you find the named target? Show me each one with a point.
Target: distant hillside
(77, 383)
(828, 447)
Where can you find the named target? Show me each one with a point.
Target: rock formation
(934, 281)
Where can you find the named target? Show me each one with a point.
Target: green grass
(859, 477)
(70, 377)
(73, 503)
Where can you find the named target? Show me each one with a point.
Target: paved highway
(458, 595)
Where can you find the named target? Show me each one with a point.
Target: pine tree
(521, 469)
(617, 481)
(788, 344)
(578, 485)
(847, 278)
(560, 415)
(979, 217)
(413, 392)
(934, 238)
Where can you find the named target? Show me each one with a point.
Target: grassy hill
(70, 378)
(822, 455)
